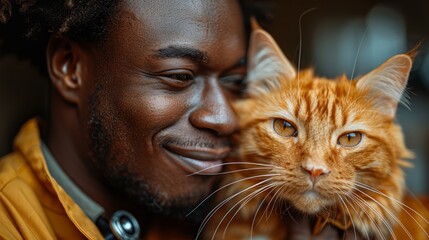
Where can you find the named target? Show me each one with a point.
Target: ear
(266, 63)
(64, 66)
(386, 84)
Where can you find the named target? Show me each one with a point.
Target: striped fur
(365, 183)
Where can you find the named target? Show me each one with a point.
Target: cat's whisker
(283, 202)
(300, 49)
(221, 204)
(233, 171)
(276, 197)
(393, 215)
(201, 172)
(227, 185)
(365, 211)
(412, 195)
(379, 215)
(382, 218)
(357, 214)
(355, 201)
(351, 104)
(357, 56)
(343, 204)
(402, 205)
(257, 210)
(356, 59)
(243, 202)
(245, 199)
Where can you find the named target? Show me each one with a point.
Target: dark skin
(132, 119)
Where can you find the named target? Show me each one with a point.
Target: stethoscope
(121, 226)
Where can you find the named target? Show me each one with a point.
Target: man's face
(159, 109)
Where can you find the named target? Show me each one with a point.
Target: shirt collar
(92, 209)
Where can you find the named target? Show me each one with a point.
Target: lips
(201, 160)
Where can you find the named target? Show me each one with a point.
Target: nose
(214, 111)
(315, 172)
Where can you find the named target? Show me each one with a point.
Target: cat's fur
(363, 184)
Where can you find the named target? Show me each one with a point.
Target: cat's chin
(311, 202)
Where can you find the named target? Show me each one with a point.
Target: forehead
(173, 15)
(337, 104)
(209, 25)
(311, 101)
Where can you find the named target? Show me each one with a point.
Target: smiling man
(158, 106)
(140, 99)
(137, 106)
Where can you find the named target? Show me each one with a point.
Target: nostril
(315, 172)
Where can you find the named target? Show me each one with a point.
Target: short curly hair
(30, 23)
(76, 19)
(80, 20)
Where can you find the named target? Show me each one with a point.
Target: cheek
(342, 164)
(137, 119)
(373, 161)
(288, 155)
(151, 113)
(343, 172)
(266, 144)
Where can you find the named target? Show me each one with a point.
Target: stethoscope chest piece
(124, 225)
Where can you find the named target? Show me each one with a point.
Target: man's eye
(178, 81)
(181, 77)
(234, 83)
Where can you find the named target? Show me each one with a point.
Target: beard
(107, 159)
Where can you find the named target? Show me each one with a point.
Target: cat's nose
(315, 172)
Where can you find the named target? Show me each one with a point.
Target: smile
(204, 161)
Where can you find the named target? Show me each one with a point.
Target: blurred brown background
(337, 37)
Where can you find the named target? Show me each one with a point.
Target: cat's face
(326, 140)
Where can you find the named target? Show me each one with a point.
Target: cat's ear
(387, 83)
(266, 63)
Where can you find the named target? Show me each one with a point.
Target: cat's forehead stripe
(280, 113)
(327, 104)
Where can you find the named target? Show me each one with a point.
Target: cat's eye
(350, 139)
(284, 128)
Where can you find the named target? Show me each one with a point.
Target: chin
(311, 203)
(169, 200)
(188, 205)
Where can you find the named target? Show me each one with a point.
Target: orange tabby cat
(329, 148)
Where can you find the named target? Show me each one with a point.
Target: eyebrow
(182, 52)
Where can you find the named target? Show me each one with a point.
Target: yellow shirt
(32, 204)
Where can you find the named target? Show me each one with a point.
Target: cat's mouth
(198, 160)
(312, 201)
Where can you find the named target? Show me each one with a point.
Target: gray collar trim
(92, 209)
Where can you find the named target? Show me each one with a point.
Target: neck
(67, 140)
